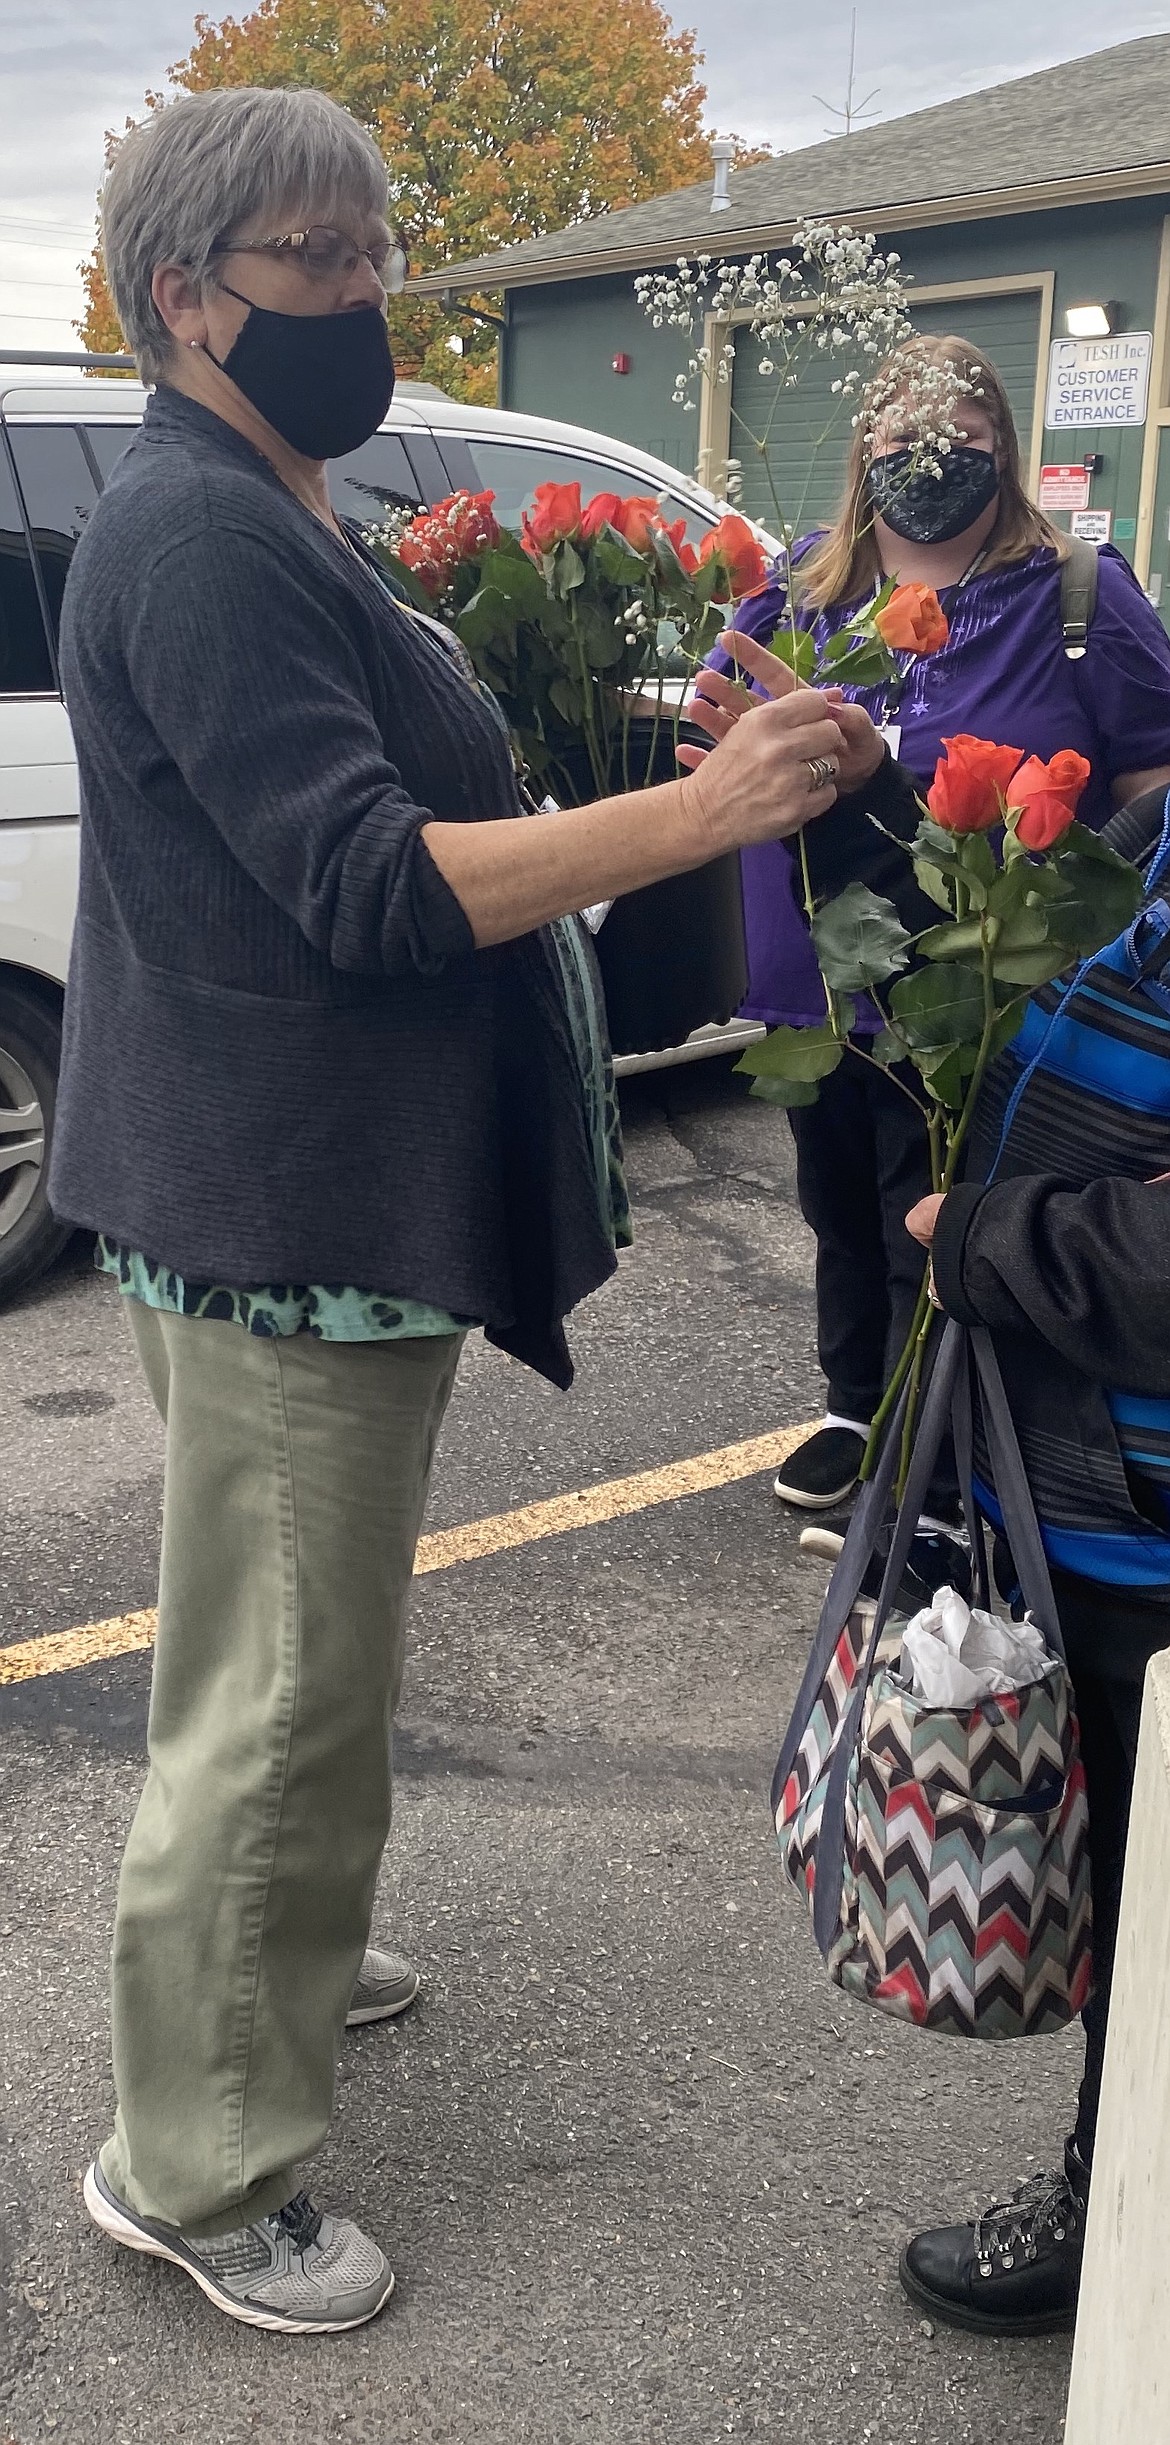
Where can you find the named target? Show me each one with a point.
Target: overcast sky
(71, 68)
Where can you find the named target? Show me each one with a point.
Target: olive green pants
(296, 1474)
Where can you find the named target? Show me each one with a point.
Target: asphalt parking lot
(642, 2173)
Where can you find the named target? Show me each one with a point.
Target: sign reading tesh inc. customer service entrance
(1099, 382)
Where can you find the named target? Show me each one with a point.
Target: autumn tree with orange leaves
(497, 122)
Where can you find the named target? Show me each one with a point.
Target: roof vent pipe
(722, 152)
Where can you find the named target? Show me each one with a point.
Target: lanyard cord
(897, 687)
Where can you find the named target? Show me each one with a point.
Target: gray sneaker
(384, 1987)
(296, 2272)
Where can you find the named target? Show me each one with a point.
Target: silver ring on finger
(822, 769)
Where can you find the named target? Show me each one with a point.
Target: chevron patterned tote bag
(942, 1851)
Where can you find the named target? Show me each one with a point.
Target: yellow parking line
(590, 1507)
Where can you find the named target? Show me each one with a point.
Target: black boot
(1017, 2270)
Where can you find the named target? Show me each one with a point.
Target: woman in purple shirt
(1005, 674)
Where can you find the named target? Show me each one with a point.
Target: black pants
(1110, 1635)
(862, 1160)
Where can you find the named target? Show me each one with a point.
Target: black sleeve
(257, 692)
(845, 847)
(1086, 1269)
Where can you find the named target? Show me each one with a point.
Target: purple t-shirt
(1002, 675)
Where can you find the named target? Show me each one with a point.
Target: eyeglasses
(329, 254)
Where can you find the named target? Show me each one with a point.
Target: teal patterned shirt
(338, 1312)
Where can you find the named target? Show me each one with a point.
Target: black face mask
(927, 508)
(322, 381)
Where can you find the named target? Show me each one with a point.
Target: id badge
(891, 732)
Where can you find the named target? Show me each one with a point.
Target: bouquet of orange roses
(589, 624)
(1023, 890)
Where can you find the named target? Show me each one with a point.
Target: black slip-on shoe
(822, 1471)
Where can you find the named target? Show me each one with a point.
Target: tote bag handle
(949, 1392)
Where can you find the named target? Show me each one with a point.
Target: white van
(60, 434)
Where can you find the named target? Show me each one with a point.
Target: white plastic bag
(953, 1654)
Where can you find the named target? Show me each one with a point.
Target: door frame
(715, 399)
(1158, 413)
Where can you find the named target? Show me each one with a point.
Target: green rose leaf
(934, 885)
(1008, 1023)
(566, 570)
(947, 1074)
(789, 1092)
(604, 644)
(859, 939)
(615, 561)
(952, 941)
(516, 577)
(703, 582)
(486, 620)
(1102, 892)
(797, 653)
(885, 1048)
(859, 662)
(940, 1007)
(1031, 967)
(666, 557)
(794, 1053)
(965, 856)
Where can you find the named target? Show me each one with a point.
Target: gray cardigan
(284, 1058)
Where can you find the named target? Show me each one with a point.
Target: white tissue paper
(953, 1654)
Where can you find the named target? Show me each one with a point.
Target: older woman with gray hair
(327, 1101)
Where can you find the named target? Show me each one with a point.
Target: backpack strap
(1078, 596)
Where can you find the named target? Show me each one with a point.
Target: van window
(513, 470)
(107, 442)
(26, 667)
(367, 483)
(59, 493)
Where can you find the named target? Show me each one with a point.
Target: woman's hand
(776, 756)
(922, 1223)
(718, 703)
(922, 1220)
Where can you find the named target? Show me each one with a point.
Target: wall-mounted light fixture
(1090, 322)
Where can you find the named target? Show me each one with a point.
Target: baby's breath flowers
(835, 294)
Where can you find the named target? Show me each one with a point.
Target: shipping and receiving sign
(1092, 525)
(1064, 487)
(1099, 382)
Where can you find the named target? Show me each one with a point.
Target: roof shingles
(1086, 119)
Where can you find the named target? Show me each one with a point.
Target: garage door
(799, 472)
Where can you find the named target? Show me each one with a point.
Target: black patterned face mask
(924, 508)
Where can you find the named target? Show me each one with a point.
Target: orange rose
(471, 520)
(601, 511)
(429, 550)
(743, 562)
(1044, 797)
(966, 794)
(913, 621)
(636, 518)
(555, 517)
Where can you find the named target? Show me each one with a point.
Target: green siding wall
(557, 361)
(558, 350)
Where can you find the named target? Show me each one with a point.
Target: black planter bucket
(673, 957)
